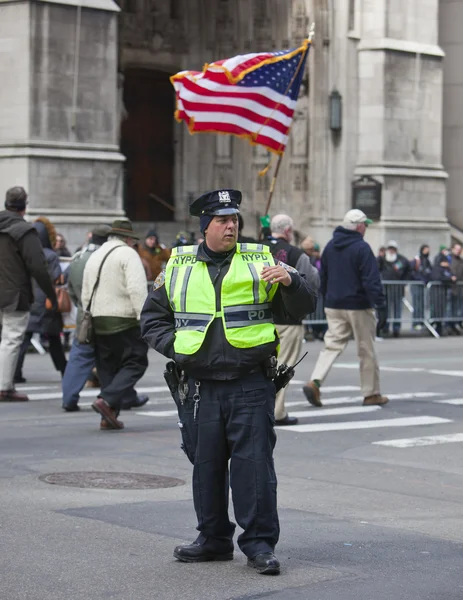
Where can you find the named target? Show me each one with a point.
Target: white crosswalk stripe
(351, 425)
(93, 393)
(454, 401)
(333, 416)
(333, 412)
(330, 388)
(352, 399)
(157, 413)
(428, 440)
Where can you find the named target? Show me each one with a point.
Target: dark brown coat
(155, 257)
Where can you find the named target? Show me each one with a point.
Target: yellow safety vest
(246, 309)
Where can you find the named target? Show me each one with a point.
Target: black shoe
(137, 403)
(265, 564)
(396, 333)
(19, 379)
(199, 553)
(72, 408)
(287, 421)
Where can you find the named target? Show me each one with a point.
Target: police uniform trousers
(233, 425)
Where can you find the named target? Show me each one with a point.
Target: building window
(352, 14)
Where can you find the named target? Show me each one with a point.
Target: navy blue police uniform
(227, 413)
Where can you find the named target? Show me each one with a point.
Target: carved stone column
(400, 120)
(58, 101)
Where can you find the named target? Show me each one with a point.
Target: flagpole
(280, 158)
(272, 185)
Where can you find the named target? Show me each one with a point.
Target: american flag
(251, 96)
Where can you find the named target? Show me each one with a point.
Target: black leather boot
(265, 564)
(201, 553)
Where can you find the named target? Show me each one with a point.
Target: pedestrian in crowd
(315, 259)
(307, 245)
(443, 255)
(290, 330)
(81, 363)
(244, 239)
(394, 267)
(46, 322)
(351, 286)
(222, 334)
(318, 329)
(456, 267)
(314, 331)
(421, 270)
(181, 239)
(155, 253)
(114, 275)
(381, 252)
(440, 296)
(146, 263)
(21, 260)
(88, 238)
(60, 246)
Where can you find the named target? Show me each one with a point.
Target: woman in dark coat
(41, 320)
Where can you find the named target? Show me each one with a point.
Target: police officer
(212, 311)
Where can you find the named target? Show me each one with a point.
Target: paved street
(370, 498)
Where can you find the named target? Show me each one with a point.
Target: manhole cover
(111, 481)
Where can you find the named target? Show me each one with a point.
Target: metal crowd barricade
(406, 304)
(318, 317)
(413, 303)
(445, 303)
(410, 303)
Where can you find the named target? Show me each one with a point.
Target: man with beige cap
(351, 287)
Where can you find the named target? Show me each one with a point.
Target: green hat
(124, 229)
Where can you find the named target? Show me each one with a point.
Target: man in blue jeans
(82, 357)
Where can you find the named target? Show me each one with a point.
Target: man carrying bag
(113, 297)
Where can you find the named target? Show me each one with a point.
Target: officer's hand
(276, 274)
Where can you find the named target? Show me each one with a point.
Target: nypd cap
(218, 202)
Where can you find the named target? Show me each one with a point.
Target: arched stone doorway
(147, 143)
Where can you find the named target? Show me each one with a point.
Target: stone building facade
(451, 40)
(86, 113)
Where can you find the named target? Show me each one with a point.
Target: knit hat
(204, 221)
(151, 233)
(16, 199)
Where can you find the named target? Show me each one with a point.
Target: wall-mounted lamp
(335, 111)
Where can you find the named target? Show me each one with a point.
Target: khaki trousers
(341, 325)
(14, 325)
(290, 348)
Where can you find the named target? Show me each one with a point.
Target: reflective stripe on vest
(246, 310)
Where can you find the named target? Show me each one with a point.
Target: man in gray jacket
(22, 258)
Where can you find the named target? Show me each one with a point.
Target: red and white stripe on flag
(251, 96)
